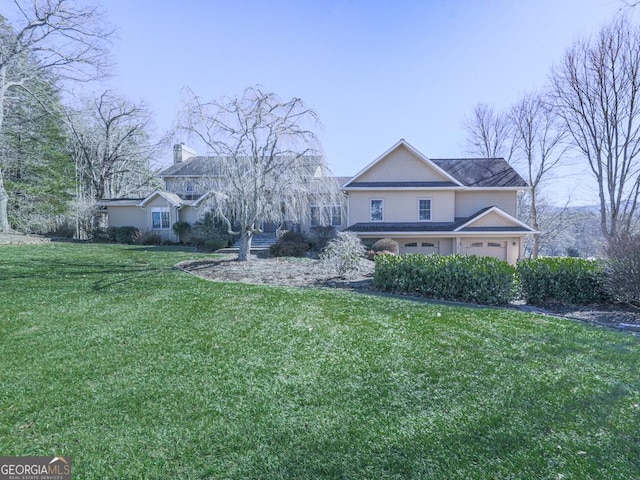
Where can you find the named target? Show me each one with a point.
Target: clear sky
(375, 71)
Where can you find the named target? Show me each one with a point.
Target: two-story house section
(444, 206)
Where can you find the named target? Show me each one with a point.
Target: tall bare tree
(597, 94)
(489, 133)
(538, 150)
(111, 148)
(267, 156)
(57, 37)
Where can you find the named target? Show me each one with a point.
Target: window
(494, 244)
(326, 215)
(336, 216)
(476, 244)
(412, 244)
(160, 218)
(428, 244)
(315, 215)
(376, 210)
(424, 209)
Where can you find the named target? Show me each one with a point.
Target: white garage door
(487, 248)
(419, 246)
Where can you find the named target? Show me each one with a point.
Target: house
(444, 206)
(187, 184)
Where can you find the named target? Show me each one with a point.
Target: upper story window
(377, 210)
(326, 215)
(160, 218)
(424, 209)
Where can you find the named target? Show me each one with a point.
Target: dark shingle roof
(209, 165)
(400, 184)
(481, 172)
(381, 227)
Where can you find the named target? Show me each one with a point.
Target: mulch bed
(307, 272)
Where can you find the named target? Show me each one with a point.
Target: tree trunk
(244, 246)
(4, 198)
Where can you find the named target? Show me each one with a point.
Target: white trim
(376, 199)
(418, 154)
(166, 195)
(500, 212)
(430, 219)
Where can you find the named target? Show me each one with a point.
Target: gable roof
(401, 143)
(459, 172)
(170, 197)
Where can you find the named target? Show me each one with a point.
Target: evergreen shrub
(453, 277)
(291, 244)
(565, 280)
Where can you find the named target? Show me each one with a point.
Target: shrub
(453, 277)
(343, 254)
(122, 234)
(622, 268)
(102, 235)
(291, 244)
(321, 236)
(574, 281)
(210, 229)
(387, 245)
(182, 230)
(214, 244)
(147, 238)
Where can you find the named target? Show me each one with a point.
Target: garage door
(426, 247)
(487, 248)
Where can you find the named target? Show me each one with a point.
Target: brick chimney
(181, 153)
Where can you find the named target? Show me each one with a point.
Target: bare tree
(56, 37)
(111, 148)
(489, 133)
(267, 159)
(597, 94)
(538, 150)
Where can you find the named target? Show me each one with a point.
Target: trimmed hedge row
(492, 281)
(567, 280)
(453, 277)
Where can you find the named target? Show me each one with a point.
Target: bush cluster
(562, 280)
(622, 268)
(127, 234)
(343, 254)
(454, 277)
(386, 245)
(291, 244)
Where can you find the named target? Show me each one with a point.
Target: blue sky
(374, 71)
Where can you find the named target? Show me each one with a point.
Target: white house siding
(401, 205)
(190, 214)
(125, 216)
(469, 202)
(492, 220)
(401, 166)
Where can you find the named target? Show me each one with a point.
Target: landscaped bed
(137, 370)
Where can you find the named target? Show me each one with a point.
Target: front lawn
(136, 370)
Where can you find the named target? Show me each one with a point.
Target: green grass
(137, 370)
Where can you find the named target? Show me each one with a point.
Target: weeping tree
(55, 38)
(267, 159)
